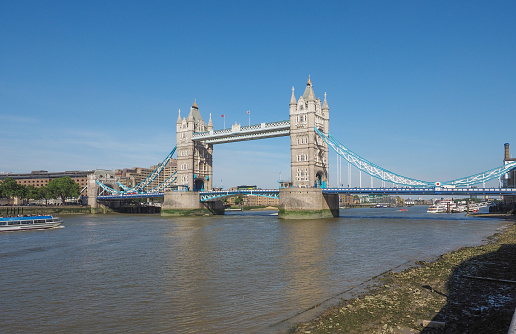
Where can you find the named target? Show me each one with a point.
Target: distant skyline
(425, 89)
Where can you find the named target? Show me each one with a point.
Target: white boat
(28, 223)
(443, 206)
(436, 209)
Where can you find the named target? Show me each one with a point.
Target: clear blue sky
(426, 89)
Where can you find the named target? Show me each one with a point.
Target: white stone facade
(309, 153)
(194, 159)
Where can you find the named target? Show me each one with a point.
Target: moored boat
(436, 209)
(443, 206)
(28, 223)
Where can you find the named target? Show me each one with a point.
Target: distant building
(261, 201)
(252, 200)
(40, 178)
(130, 177)
(348, 200)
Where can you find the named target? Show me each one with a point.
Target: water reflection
(307, 245)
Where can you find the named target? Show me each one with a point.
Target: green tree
(10, 188)
(21, 192)
(33, 192)
(44, 193)
(63, 187)
(239, 199)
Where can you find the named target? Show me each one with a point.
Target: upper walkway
(242, 133)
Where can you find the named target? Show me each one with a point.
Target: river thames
(239, 273)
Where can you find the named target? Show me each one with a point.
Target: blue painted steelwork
(210, 195)
(153, 175)
(165, 184)
(140, 187)
(423, 191)
(369, 167)
(108, 189)
(482, 177)
(274, 193)
(243, 133)
(131, 196)
(383, 174)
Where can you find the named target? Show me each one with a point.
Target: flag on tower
(222, 116)
(249, 111)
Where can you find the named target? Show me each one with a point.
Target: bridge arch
(198, 184)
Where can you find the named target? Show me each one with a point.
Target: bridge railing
(251, 129)
(210, 195)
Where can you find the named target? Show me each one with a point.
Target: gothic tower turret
(194, 159)
(309, 153)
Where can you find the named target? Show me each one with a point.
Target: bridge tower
(194, 159)
(194, 170)
(309, 153)
(309, 161)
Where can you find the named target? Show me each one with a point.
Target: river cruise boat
(443, 206)
(436, 209)
(28, 223)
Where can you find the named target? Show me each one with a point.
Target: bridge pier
(92, 191)
(188, 203)
(307, 203)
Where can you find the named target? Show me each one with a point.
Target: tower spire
(325, 103)
(309, 94)
(179, 116)
(293, 98)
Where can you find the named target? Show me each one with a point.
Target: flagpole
(249, 113)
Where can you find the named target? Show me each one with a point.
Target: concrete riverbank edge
(469, 290)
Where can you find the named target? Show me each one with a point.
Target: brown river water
(239, 273)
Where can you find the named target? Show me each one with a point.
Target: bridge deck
(208, 195)
(423, 191)
(243, 133)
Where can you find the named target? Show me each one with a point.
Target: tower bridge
(189, 190)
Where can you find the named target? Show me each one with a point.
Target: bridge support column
(92, 191)
(307, 203)
(188, 203)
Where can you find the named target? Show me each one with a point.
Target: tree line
(63, 187)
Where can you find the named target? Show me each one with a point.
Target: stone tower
(309, 153)
(194, 159)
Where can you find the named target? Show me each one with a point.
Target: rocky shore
(470, 290)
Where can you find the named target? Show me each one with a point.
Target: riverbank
(470, 290)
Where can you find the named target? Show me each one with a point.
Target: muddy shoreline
(464, 291)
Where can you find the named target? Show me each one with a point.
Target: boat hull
(11, 224)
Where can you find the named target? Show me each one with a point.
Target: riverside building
(133, 176)
(41, 178)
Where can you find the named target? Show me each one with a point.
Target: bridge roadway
(274, 193)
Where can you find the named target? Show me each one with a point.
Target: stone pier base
(188, 203)
(307, 203)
